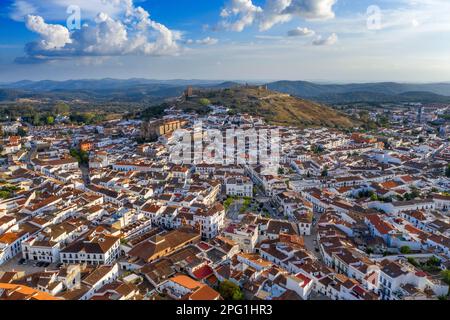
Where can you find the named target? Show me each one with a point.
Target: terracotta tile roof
(205, 293)
(19, 292)
(202, 272)
(186, 282)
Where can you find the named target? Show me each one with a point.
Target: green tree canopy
(230, 291)
(61, 108)
(405, 250)
(50, 120)
(204, 102)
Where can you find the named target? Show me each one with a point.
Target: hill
(275, 107)
(373, 97)
(103, 84)
(365, 92)
(144, 91)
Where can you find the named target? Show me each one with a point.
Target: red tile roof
(202, 272)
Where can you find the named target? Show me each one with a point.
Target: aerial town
(106, 212)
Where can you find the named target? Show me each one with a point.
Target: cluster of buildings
(341, 215)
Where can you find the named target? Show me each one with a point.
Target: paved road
(310, 241)
(85, 173)
(233, 210)
(29, 268)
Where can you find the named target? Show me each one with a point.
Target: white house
(239, 186)
(10, 245)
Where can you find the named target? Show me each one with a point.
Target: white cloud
(56, 10)
(320, 41)
(53, 37)
(300, 32)
(239, 14)
(274, 14)
(20, 9)
(133, 34)
(312, 9)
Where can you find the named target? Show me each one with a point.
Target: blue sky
(318, 40)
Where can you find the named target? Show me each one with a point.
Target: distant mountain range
(104, 90)
(365, 92)
(144, 90)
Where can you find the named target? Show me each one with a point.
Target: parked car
(22, 261)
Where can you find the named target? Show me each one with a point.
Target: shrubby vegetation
(81, 156)
(46, 114)
(8, 191)
(432, 265)
(230, 291)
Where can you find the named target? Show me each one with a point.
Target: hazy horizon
(254, 81)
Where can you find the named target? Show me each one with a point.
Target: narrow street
(311, 241)
(85, 173)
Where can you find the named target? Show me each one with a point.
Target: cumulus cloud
(135, 33)
(320, 41)
(239, 14)
(312, 9)
(274, 14)
(300, 32)
(53, 37)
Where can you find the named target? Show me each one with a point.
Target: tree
(446, 276)
(86, 117)
(413, 262)
(230, 291)
(228, 203)
(405, 250)
(21, 132)
(447, 171)
(383, 121)
(415, 193)
(61, 108)
(325, 172)
(204, 102)
(36, 120)
(317, 149)
(50, 120)
(433, 261)
(81, 156)
(4, 195)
